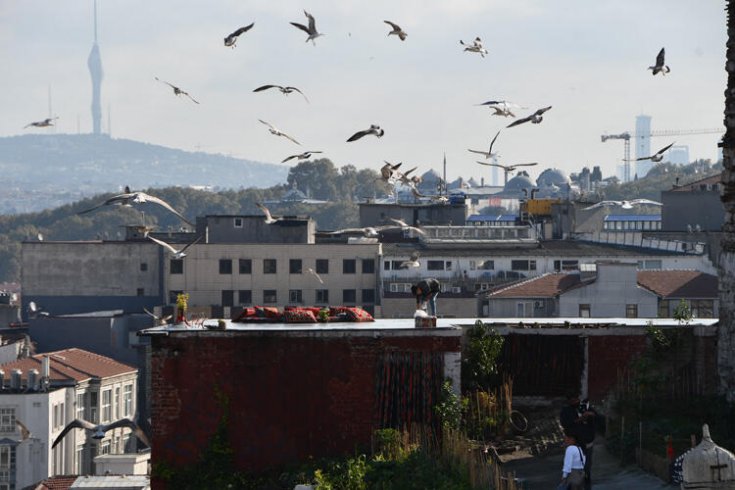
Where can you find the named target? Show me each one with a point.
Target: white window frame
(7, 419)
(128, 400)
(107, 405)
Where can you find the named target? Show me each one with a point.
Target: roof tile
(71, 364)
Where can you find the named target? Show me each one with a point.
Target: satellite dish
(32, 307)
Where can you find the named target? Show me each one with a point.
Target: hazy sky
(587, 59)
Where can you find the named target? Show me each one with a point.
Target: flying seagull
(49, 121)
(177, 90)
(374, 130)
(128, 198)
(624, 204)
(508, 168)
(475, 47)
(269, 219)
(231, 40)
(660, 66)
(368, 231)
(388, 170)
(159, 320)
(405, 226)
(274, 130)
(301, 156)
(98, 430)
(658, 156)
(403, 177)
(25, 433)
(177, 254)
(535, 118)
(412, 262)
(489, 153)
(396, 30)
(311, 30)
(284, 90)
(313, 273)
(502, 107)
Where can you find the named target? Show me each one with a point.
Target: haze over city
(588, 60)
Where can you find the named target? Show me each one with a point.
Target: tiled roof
(545, 286)
(57, 483)
(679, 283)
(71, 365)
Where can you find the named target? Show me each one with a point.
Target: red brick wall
(607, 356)
(290, 397)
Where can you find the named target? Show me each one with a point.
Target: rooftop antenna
(445, 174)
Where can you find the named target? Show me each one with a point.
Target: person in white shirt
(572, 473)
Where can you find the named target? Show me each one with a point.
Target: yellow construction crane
(626, 136)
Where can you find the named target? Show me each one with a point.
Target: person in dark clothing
(426, 291)
(579, 419)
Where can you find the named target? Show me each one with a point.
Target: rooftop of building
(70, 365)
(633, 217)
(697, 184)
(664, 283)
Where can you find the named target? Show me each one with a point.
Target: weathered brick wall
(607, 356)
(289, 397)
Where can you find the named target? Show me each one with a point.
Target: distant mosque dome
(519, 182)
(293, 195)
(430, 176)
(553, 176)
(550, 190)
(472, 183)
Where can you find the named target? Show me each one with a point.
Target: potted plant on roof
(182, 302)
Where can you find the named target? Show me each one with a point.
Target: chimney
(33, 380)
(15, 379)
(45, 367)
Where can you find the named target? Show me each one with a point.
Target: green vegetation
(479, 369)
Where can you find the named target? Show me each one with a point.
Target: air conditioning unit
(538, 304)
(456, 289)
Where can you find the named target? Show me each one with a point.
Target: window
(295, 296)
(349, 296)
(140, 292)
(631, 311)
(93, 401)
(349, 266)
(270, 266)
(225, 266)
(322, 296)
(585, 311)
(246, 266)
(105, 447)
(368, 266)
(80, 406)
(663, 308)
(7, 420)
(245, 297)
(270, 296)
(143, 267)
(448, 265)
(702, 308)
(294, 266)
(524, 309)
(566, 265)
(79, 460)
(55, 416)
(435, 265)
(368, 296)
(117, 403)
(5, 452)
(523, 265)
(322, 266)
(106, 405)
(237, 222)
(176, 266)
(228, 297)
(127, 400)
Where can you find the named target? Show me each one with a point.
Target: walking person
(572, 473)
(579, 418)
(426, 292)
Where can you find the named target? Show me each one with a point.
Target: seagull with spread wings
(388, 171)
(98, 430)
(301, 156)
(396, 30)
(284, 90)
(231, 40)
(49, 121)
(374, 129)
(502, 107)
(475, 47)
(489, 153)
(405, 226)
(508, 168)
(128, 198)
(310, 30)
(660, 66)
(534, 118)
(658, 156)
(274, 130)
(367, 231)
(159, 320)
(624, 204)
(269, 219)
(177, 90)
(177, 254)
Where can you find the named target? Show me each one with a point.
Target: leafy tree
(479, 359)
